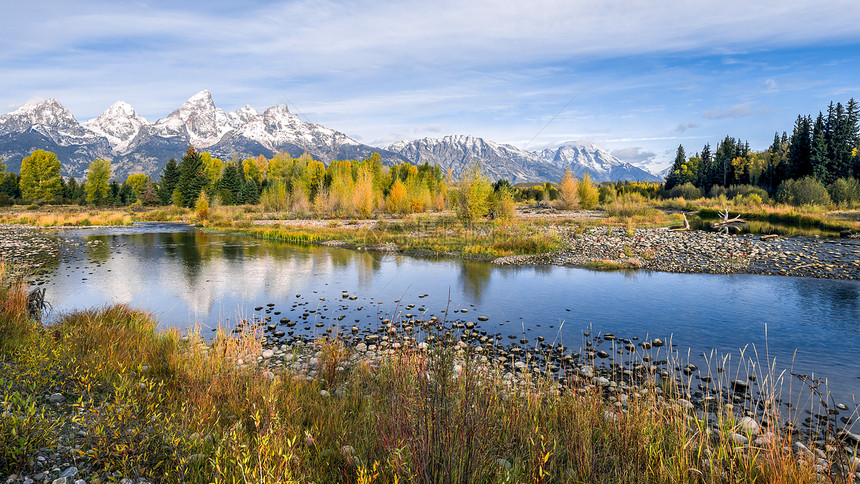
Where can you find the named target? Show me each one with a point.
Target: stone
(749, 425)
(57, 398)
(70, 472)
(739, 439)
(268, 354)
(61, 480)
(739, 386)
(685, 404)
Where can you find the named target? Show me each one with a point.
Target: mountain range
(135, 145)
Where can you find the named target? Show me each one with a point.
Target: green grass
(426, 236)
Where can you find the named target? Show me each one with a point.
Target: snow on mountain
(588, 158)
(498, 161)
(119, 124)
(135, 145)
(197, 120)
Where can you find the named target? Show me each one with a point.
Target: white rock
(268, 354)
(749, 426)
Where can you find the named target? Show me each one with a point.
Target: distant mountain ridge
(517, 165)
(134, 144)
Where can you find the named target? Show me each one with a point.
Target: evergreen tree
(113, 196)
(799, 163)
(9, 186)
(703, 180)
(250, 193)
(818, 156)
(230, 184)
(676, 173)
(126, 194)
(192, 177)
(149, 194)
(169, 178)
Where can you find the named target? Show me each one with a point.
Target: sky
(635, 77)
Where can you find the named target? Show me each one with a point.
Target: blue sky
(637, 77)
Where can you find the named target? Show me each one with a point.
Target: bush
(845, 191)
(629, 205)
(744, 191)
(806, 191)
(687, 191)
(201, 208)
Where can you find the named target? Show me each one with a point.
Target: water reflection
(188, 276)
(474, 277)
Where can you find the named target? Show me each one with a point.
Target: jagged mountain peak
(119, 123)
(45, 113)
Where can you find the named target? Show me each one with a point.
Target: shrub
(629, 205)
(845, 191)
(686, 191)
(745, 191)
(201, 208)
(806, 191)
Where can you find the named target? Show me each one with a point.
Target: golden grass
(176, 409)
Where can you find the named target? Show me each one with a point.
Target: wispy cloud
(379, 70)
(683, 127)
(635, 155)
(737, 111)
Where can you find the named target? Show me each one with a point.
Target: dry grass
(180, 410)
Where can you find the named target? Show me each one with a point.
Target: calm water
(188, 277)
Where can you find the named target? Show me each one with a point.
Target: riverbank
(578, 238)
(102, 396)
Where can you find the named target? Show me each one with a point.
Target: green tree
(678, 167)
(169, 179)
(96, 186)
(137, 182)
(40, 176)
(230, 184)
(588, 194)
(473, 194)
(192, 177)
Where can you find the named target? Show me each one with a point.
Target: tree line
(820, 157)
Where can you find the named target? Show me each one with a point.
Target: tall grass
(178, 409)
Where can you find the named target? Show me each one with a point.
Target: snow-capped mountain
(584, 158)
(517, 165)
(119, 124)
(497, 160)
(135, 145)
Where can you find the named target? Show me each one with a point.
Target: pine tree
(169, 178)
(250, 193)
(674, 177)
(192, 177)
(230, 184)
(799, 163)
(818, 156)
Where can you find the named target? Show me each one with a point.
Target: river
(188, 277)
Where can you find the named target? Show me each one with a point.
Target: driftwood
(36, 303)
(725, 220)
(685, 227)
(769, 236)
